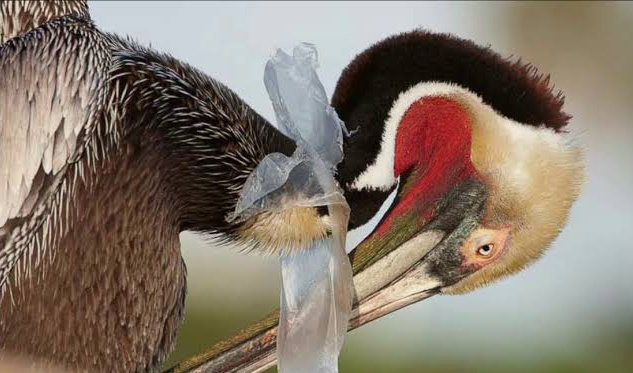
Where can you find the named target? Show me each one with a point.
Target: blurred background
(571, 312)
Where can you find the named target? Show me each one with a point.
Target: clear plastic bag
(317, 289)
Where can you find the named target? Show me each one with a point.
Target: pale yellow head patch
(532, 174)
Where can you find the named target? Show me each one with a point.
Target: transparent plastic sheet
(317, 288)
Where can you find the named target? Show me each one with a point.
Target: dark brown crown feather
(513, 88)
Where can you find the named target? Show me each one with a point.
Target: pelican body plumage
(109, 149)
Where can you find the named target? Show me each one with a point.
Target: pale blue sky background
(584, 284)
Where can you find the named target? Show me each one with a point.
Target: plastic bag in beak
(317, 289)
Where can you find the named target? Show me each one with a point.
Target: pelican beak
(383, 294)
(413, 261)
(407, 268)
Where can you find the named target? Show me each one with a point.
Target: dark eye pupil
(485, 250)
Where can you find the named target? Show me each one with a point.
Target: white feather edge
(380, 174)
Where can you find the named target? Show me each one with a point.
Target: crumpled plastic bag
(317, 288)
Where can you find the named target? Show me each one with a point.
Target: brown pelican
(109, 149)
(490, 174)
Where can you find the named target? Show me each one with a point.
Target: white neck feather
(515, 143)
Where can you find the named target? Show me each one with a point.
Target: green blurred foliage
(611, 351)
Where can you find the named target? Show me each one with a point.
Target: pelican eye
(485, 250)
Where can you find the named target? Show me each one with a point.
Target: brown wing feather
(45, 107)
(21, 16)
